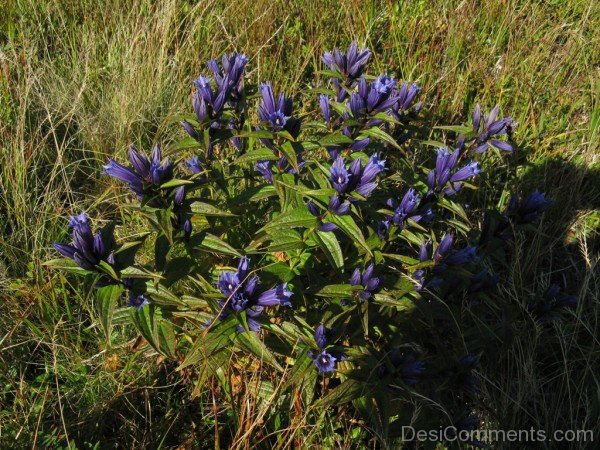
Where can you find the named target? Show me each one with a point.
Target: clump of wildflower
(402, 366)
(324, 359)
(407, 209)
(145, 174)
(445, 177)
(528, 209)
(357, 178)
(488, 127)
(88, 250)
(551, 304)
(350, 65)
(366, 280)
(243, 295)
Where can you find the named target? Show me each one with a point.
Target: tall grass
(79, 81)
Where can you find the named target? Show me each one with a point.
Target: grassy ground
(80, 80)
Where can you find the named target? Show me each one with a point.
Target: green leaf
(399, 303)
(66, 264)
(250, 342)
(461, 129)
(299, 217)
(209, 343)
(108, 269)
(206, 209)
(338, 290)
(163, 220)
(285, 239)
(260, 154)
(344, 393)
(432, 143)
(330, 245)
(401, 258)
(175, 183)
(288, 151)
(254, 194)
(161, 249)
(335, 139)
(217, 245)
(139, 272)
(302, 366)
(185, 144)
(348, 226)
(260, 134)
(380, 135)
(160, 295)
(106, 301)
(165, 338)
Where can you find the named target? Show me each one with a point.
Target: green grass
(80, 80)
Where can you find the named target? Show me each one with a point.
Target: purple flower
(407, 209)
(231, 75)
(137, 300)
(356, 178)
(366, 280)
(277, 113)
(406, 95)
(420, 275)
(279, 295)
(324, 360)
(87, 249)
(264, 168)
(530, 209)
(404, 367)
(242, 294)
(325, 108)
(379, 96)
(337, 206)
(383, 229)
(144, 172)
(350, 65)
(313, 208)
(339, 176)
(461, 257)
(551, 303)
(194, 165)
(444, 248)
(179, 196)
(190, 130)
(490, 127)
(327, 226)
(482, 281)
(444, 177)
(409, 370)
(187, 229)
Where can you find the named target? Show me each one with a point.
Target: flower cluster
(242, 292)
(350, 65)
(209, 104)
(408, 209)
(355, 179)
(325, 358)
(145, 174)
(366, 280)
(552, 302)
(88, 250)
(488, 127)
(445, 177)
